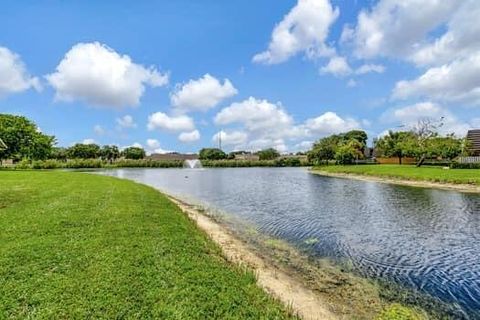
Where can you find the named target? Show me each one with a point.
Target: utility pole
(220, 139)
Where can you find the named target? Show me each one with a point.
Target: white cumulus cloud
(162, 121)
(14, 77)
(397, 27)
(191, 136)
(237, 139)
(96, 74)
(408, 116)
(126, 122)
(255, 114)
(304, 29)
(337, 66)
(153, 146)
(89, 141)
(329, 123)
(367, 68)
(460, 40)
(202, 94)
(259, 124)
(458, 81)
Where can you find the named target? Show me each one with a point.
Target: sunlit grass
(76, 245)
(409, 172)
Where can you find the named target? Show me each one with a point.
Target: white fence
(468, 160)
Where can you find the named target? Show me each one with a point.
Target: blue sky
(173, 75)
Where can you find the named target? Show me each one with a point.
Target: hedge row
(148, 163)
(457, 165)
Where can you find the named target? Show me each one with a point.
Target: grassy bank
(74, 245)
(408, 172)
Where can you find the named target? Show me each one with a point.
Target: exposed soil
(277, 281)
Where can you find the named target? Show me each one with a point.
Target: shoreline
(464, 188)
(274, 280)
(312, 290)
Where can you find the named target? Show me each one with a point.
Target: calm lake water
(424, 238)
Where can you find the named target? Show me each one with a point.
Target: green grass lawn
(77, 246)
(409, 172)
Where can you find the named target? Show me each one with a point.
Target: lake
(425, 239)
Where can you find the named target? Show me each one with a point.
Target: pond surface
(426, 239)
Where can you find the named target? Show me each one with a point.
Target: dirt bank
(304, 301)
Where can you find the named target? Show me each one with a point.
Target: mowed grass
(81, 246)
(410, 172)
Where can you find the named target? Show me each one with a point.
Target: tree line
(218, 154)
(422, 142)
(22, 139)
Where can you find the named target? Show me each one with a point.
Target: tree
(109, 153)
(59, 153)
(348, 152)
(324, 149)
(134, 153)
(358, 135)
(424, 131)
(446, 148)
(22, 139)
(268, 154)
(396, 144)
(84, 151)
(212, 154)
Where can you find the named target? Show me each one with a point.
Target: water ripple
(423, 238)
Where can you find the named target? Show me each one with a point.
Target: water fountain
(192, 164)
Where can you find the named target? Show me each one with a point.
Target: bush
(399, 312)
(457, 165)
(212, 154)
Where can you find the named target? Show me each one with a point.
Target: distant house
(246, 156)
(172, 156)
(474, 137)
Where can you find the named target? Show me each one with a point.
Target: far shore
(467, 188)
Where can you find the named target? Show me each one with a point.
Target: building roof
(474, 137)
(173, 156)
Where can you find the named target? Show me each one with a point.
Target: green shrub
(23, 164)
(399, 312)
(457, 165)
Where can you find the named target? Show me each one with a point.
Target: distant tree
(396, 144)
(59, 153)
(358, 135)
(324, 149)
(134, 153)
(109, 153)
(22, 139)
(424, 130)
(212, 154)
(447, 148)
(231, 156)
(348, 152)
(84, 151)
(268, 154)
